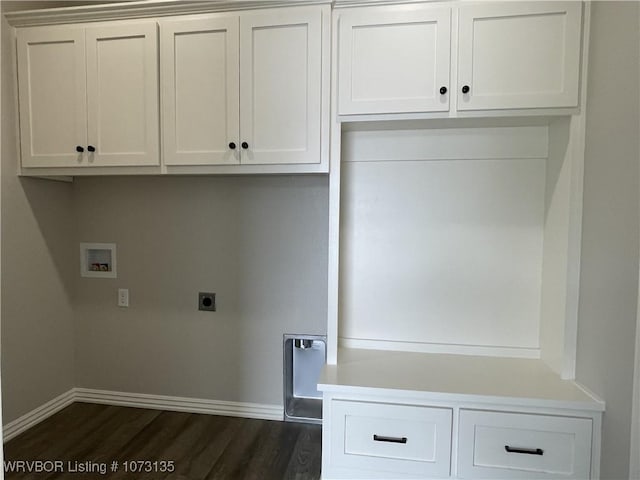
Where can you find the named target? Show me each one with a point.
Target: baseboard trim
(180, 404)
(141, 400)
(37, 415)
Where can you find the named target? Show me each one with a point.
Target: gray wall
(38, 264)
(259, 243)
(609, 277)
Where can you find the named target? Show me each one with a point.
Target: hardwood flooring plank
(102, 442)
(306, 459)
(201, 446)
(274, 454)
(195, 459)
(69, 443)
(233, 462)
(129, 423)
(149, 443)
(38, 437)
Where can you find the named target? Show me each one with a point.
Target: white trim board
(141, 9)
(141, 400)
(423, 347)
(37, 415)
(180, 404)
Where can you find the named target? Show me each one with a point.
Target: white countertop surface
(487, 379)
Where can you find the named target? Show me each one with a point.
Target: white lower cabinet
(379, 439)
(394, 439)
(528, 446)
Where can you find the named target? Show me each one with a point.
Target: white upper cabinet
(394, 59)
(88, 96)
(200, 91)
(280, 86)
(52, 96)
(506, 56)
(122, 94)
(243, 89)
(519, 55)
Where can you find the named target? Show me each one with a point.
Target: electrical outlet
(123, 297)
(207, 301)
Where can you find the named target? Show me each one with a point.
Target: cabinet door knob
(465, 89)
(91, 148)
(443, 90)
(232, 146)
(245, 145)
(79, 149)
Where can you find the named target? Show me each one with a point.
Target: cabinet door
(280, 86)
(519, 55)
(394, 60)
(52, 96)
(200, 91)
(122, 94)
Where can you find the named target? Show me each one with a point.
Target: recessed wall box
(98, 260)
(304, 357)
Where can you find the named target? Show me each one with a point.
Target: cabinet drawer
(512, 445)
(400, 439)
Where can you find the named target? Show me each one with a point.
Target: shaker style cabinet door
(52, 96)
(519, 55)
(394, 59)
(280, 86)
(200, 91)
(122, 95)
(88, 96)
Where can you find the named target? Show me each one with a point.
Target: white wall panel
(444, 143)
(443, 251)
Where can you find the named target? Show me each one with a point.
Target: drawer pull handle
(527, 451)
(380, 438)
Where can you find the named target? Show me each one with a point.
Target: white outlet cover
(123, 297)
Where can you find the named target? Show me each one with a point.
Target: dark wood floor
(201, 446)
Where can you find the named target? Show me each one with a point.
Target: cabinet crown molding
(370, 3)
(142, 9)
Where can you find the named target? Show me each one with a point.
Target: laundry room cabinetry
(237, 87)
(521, 55)
(393, 415)
(394, 59)
(245, 89)
(458, 58)
(454, 243)
(512, 445)
(391, 437)
(88, 95)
